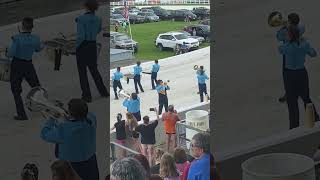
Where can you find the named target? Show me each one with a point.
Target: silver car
(150, 17)
(122, 41)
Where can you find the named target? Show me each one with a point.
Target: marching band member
(154, 73)
(133, 105)
(88, 26)
(116, 81)
(75, 139)
(202, 77)
(295, 73)
(137, 77)
(22, 48)
(163, 98)
(293, 19)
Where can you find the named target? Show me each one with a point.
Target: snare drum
(5, 70)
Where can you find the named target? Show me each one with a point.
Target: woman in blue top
(75, 139)
(295, 73)
(88, 27)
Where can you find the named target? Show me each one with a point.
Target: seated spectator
(168, 169)
(200, 167)
(148, 139)
(180, 158)
(120, 127)
(170, 119)
(29, 172)
(156, 168)
(127, 169)
(144, 162)
(62, 170)
(76, 139)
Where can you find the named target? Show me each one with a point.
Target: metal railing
(162, 2)
(182, 139)
(114, 147)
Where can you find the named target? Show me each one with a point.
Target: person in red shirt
(170, 119)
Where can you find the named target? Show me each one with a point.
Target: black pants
(283, 69)
(22, 69)
(137, 81)
(87, 58)
(163, 102)
(116, 84)
(297, 85)
(87, 170)
(137, 115)
(202, 90)
(153, 79)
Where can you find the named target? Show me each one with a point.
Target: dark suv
(162, 13)
(200, 29)
(202, 12)
(182, 14)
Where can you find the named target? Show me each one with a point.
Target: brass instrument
(195, 67)
(275, 19)
(37, 101)
(123, 94)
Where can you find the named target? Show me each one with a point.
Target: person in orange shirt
(170, 119)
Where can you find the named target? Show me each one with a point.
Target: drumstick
(146, 72)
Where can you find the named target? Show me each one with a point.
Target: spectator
(62, 170)
(76, 139)
(168, 170)
(156, 168)
(170, 119)
(116, 26)
(131, 125)
(200, 167)
(127, 169)
(29, 172)
(120, 127)
(148, 138)
(180, 157)
(144, 162)
(155, 177)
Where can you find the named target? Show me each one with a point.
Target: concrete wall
(120, 55)
(301, 141)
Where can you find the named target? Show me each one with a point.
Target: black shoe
(142, 90)
(87, 99)
(283, 99)
(20, 118)
(116, 98)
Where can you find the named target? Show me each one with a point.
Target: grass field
(145, 34)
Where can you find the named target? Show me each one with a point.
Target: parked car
(199, 38)
(201, 12)
(205, 22)
(172, 39)
(118, 10)
(149, 17)
(200, 30)
(122, 41)
(147, 10)
(117, 18)
(134, 12)
(162, 13)
(181, 15)
(136, 19)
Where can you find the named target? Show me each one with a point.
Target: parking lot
(144, 33)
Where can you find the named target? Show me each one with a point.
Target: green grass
(145, 34)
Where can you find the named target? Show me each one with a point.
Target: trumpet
(37, 101)
(275, 19)
(195, 67)
(124, 94)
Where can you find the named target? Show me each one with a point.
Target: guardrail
(167, 2)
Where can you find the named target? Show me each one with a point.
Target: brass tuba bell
(124, 94)
(37, 101)
(195, 67)
(275, 19)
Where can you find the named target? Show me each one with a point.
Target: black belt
(24, 60)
